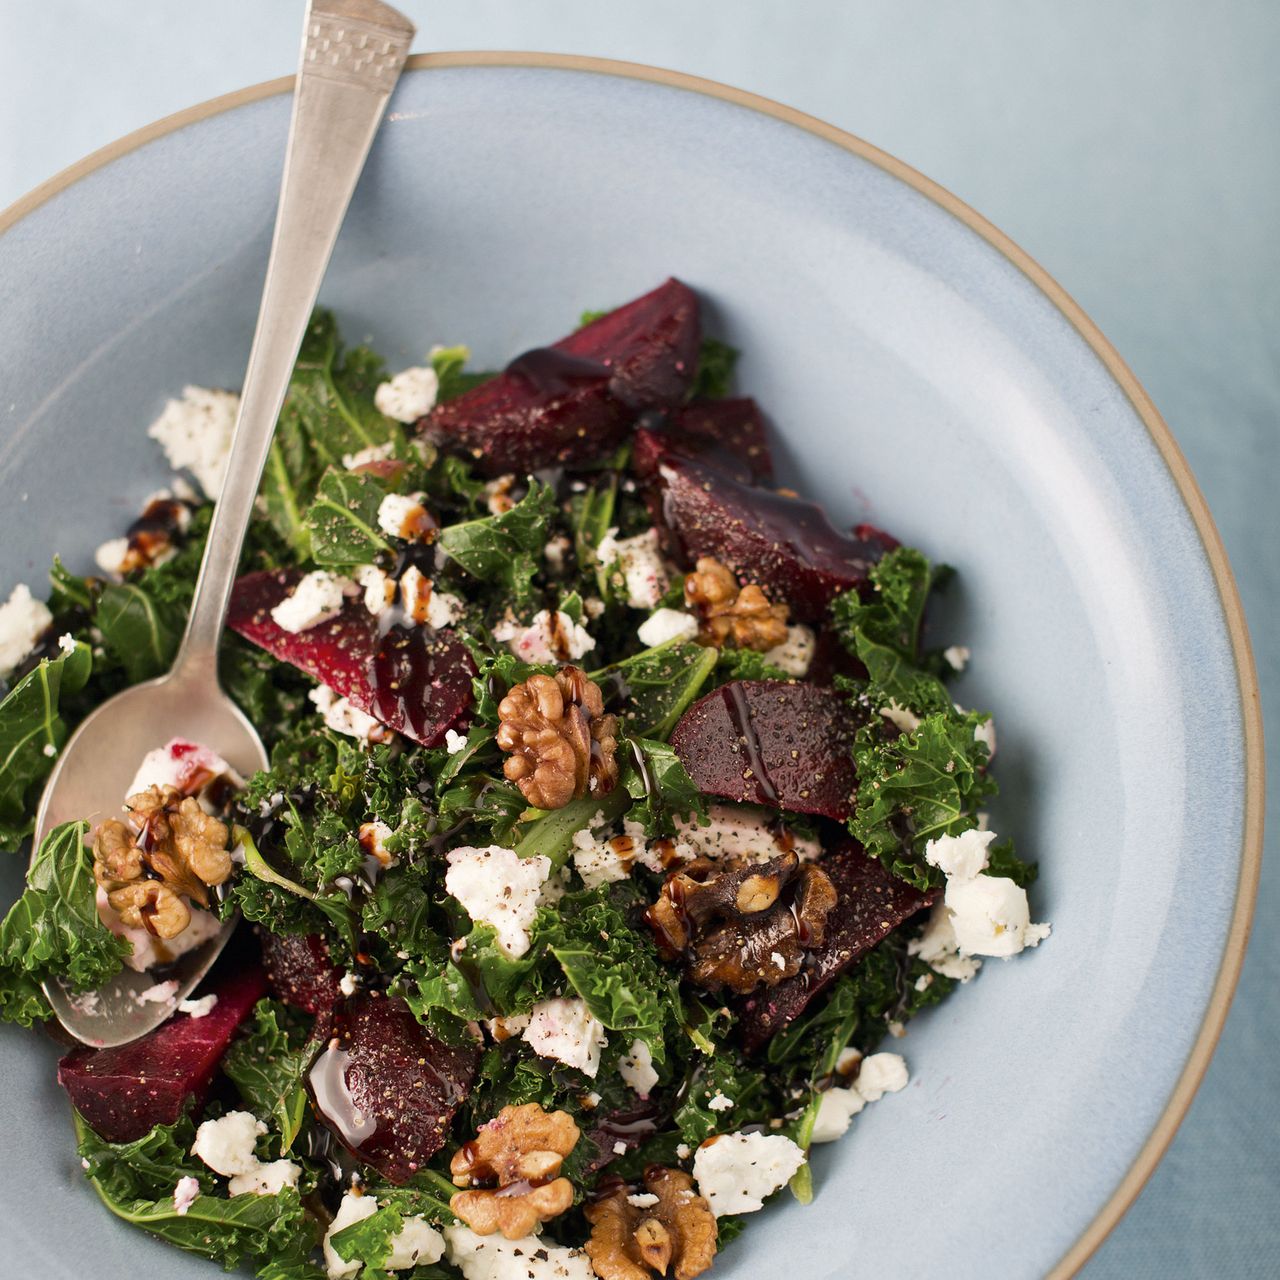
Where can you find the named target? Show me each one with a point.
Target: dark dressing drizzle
(739, 709)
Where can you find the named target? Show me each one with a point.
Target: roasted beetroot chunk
(574, 402)
(872, 902)
(784, 545)
(416, 681)
(726, 434)
(299, 970)
(774, 743)
(126, 1091)
(386, 1087)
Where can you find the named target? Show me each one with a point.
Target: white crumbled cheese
(960, 857)
(416, 1242)
(347, 984)
(266, 1179)
(496, 1258)
(551, 638)
(836, 1108)
(149, 951)
(49, 750)
(991, 916)
(683, 1151)
(601, 860)
(879, 1074)
(409, 395)
(399, 514)
(986, 732)
(416, 590)
(924, 982)
(795, 654)
(555, 551)
(109, 557)
(956, 657)
(502, 1029)
(317, 598)
(371, 453)
(639, 562)
(340, 716)
(22, 621)
(184, 1195)
(565, 1029)
(444, 609)
(938, 948)
(594, 607)
(227, 1144)
(720, 1103)
(666, 624)
(905, 719)
(200, 1008)
(195, 434)
(500, 889)
(185, 766)
(620, 1148)
(896, 1028)
(161, 993)
(354, 1208)
(375, 585)
(498, 494)
(643, 1201)
(778, 959)
(743, 831)
(736, 1171)
(636, 1068)
(454, 741)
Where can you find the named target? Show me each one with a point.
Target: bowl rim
(1237, 936)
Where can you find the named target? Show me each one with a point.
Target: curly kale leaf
(713, 378)
(53, 930)
(343, 520)
(267, 1064)
(660, 684)
(32, 732)
(659, 785)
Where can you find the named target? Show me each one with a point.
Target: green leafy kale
(660, 685)
(659, 786)
(54, 931)
(342, 522)
(713, 378)
(452, 377)
(32, 732)
(268, 1065)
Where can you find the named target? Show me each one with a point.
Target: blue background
(1133, 147)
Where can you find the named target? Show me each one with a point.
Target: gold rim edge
(1189, 1079)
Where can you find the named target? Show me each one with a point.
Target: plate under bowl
(922, 374)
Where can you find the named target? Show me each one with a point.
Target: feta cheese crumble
(227, 1144)
(551, 638)
(991, 916)
(962, 856)
(23, 620)
(371, 453)
(408, 395)
(879, 1074)
(454, 741)
(184, 1195)
(496, 1258)
(109, 557)
(903, 717)
(938, 947)
(565, 1029)
(195, 434)
(379, 590)
(265, 1179)
(736, 1171)
(743, 831)
(424, 604)
(200, 1008)
(498, 888)
(666, 624)
(638, 562)
(720, 1103)
(353, 1208)
(636, 1068)
(318, 597)
(795, 654)
(161, 993)
(340, 716)
(956, 657)
(402, 515)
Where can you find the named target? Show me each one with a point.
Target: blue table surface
(1131, 147)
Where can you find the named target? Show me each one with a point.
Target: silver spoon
(352, 54)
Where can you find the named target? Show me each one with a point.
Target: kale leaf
(713, 378)
(660, 684)
(267, 1064)
(659, 785)
(343, 519)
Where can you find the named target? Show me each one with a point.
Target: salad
(618, 820)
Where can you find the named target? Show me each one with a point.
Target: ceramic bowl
(921, 373)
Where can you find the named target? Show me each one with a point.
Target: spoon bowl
(91, 780)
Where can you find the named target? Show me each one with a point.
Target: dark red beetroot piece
(414, 680)
(872, 903)
(386, 1088)
(784, 545)
(125, 1091)
(630, 1126)
(299, 970)
(726, 434)
(574, 402)
(772, 742)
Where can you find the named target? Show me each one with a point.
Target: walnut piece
(742, 616)
(169, 849)
(511, 1169)
(633, 1243)
(742, 926)
(562, 743)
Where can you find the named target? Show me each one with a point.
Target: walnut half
(671, 1224)
(511, 1169)
(562, 743)
(741, 926)
(168, 850)
(742, 616)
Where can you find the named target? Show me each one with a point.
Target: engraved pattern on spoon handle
(352, 54)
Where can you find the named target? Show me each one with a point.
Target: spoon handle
(352, 54)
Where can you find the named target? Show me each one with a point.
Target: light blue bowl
(923, 374)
